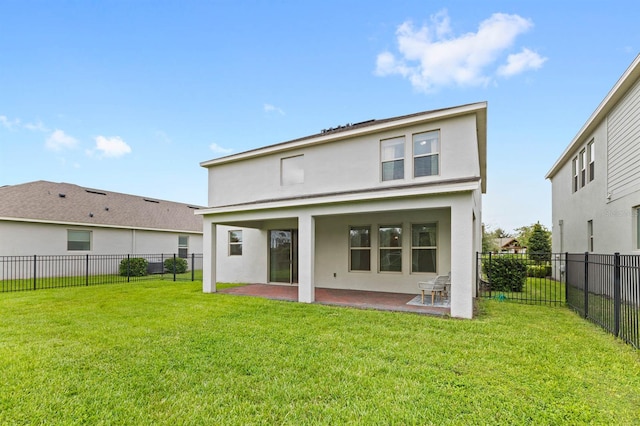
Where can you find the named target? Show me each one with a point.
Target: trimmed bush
(133, 267)
(180, 265)
(539, 271)
(506, 273)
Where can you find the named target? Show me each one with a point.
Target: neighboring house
(509, 245)
(377, 205)
(596, 181)
(48, 218)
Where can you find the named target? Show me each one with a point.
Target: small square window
(78, 240)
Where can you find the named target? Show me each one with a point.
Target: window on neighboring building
(583, 168)
(78, 240)
(591, 158)
(636, 213)
(292, 170)
(392, 157)
(235, 243)
(426, 153)
(574, 172)
(423, 247)
(590, 235)
(183, 246)
(390, 243)
(360, 248)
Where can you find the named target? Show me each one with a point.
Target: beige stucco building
(378, 205)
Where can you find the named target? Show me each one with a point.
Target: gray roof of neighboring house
(43, 201)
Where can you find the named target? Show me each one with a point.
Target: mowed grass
(165, 353)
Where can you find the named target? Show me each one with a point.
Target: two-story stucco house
(596, 181)
(52, 218)
(378, 206)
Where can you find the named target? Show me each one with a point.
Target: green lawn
(159, 352)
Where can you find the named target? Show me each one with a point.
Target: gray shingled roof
(67, 203)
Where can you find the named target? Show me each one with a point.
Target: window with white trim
(590, 235)
(360, 248)
(426, 154)
(574, 173)
(591, 158)
(583, 168)
(183, 246)
(78, 240)
(424, 247)
(392, 158)
(235, 243)
(390, 247)
(636, 217)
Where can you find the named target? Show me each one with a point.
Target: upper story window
(292, 170)
(360, 248)
(78, 240)
(235, 243)
(591, 159)
(583, 168)
(392, 156)
(574, 174)
(426, 153)
(183, 246)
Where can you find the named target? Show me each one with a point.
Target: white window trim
(400, 247)
(367, 271)
(240, 243)
(81, 230)
(425, 247)
(414, 156)
(404, 163)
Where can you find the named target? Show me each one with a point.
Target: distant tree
(539, 244)
(523, 234)
(489, 238)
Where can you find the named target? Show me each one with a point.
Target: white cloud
(7, 123)
(431, 57)
(520, 62)
(112, 147)
(272, 108)
(59, 140)
(220, 150)
(38, 126)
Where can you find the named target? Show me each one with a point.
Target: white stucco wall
(345, 165)
(27, 238)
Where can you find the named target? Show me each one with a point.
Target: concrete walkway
(353, 298)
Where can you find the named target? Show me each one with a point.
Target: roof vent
(61, 195)
(151, 201)
(106, 209)
(90, 214)
(95, 192)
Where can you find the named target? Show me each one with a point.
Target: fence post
(489, 275)
(566, 275)
(86, 281)
(193, 264)
(616, 294)
(35, 270)
(128, 267)
(586, 284)
(174, 267)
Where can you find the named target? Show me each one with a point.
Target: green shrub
(134, 267)
(180, 265)
(506, 273)
(539, 271)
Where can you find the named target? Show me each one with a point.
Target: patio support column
(462, 258)
(306, 258)
(209, 241)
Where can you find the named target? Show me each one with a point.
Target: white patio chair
(438, 285)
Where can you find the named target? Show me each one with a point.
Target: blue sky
(130, 96)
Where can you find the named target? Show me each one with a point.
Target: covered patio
(361, 299)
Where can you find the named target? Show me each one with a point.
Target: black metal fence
(531, 278)
(605, 288)
(20, 273)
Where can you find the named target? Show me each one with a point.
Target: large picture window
(390, 243)
(360, 248)
(392, 156)
(424, 247)
(235, 243)
(426, 153)
(78, 240)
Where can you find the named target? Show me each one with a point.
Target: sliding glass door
(283, 256)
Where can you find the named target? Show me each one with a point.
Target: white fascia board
(344, 134)
(623, 84)
(345, 198)
(93, 225)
